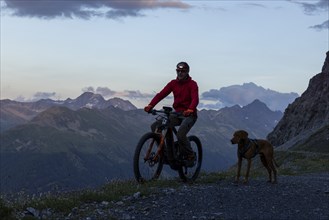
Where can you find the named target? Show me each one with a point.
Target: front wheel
(146, 166)
(189, 174)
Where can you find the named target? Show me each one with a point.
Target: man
(186, 99)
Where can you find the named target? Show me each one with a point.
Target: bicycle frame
(163, 134)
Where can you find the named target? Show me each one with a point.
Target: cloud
(204, 104)
(135, 94)
(86, 9)
(212, 94)
(323, 26)
(88, 89)
(244, 95)
(136, 97)
(37, 96)
(43, 95)
(313, 8)
(254, 5)
(106, 92)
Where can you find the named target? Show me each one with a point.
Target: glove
(148, 108)
(188, 112)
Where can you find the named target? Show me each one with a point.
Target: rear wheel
(188, 174)
(146, 166)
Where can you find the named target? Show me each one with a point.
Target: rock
(105, 203)
(307, 114)
(137, 195)
(32, 211)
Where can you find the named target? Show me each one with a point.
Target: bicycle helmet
(183, 66)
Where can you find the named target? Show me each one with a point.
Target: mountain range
(14, 113)
(62, 148)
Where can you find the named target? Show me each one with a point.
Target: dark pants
(185, 125)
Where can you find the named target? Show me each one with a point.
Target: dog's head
(239, 136)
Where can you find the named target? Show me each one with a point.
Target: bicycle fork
(159, 151)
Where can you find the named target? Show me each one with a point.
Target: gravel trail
(294, 197)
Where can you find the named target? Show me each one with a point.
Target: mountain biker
(186, 99)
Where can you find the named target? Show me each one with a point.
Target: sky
(129, 49)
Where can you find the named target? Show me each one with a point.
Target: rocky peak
(122, 104)
(257, 105)
(88, 99)
(92, 100)
(307, 114)
(325, 68)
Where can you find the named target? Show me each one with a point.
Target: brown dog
(249, 148)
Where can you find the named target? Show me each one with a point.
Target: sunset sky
(129, 49)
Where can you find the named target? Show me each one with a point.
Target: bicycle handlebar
(167, 111)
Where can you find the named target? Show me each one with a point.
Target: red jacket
(186, 94)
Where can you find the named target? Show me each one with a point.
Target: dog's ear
(244, 134)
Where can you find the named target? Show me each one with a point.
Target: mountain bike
(159, 148)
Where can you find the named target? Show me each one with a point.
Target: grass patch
(5, 211)
(65, 202)
(301, 162)
(290, 163)
(213, 177)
